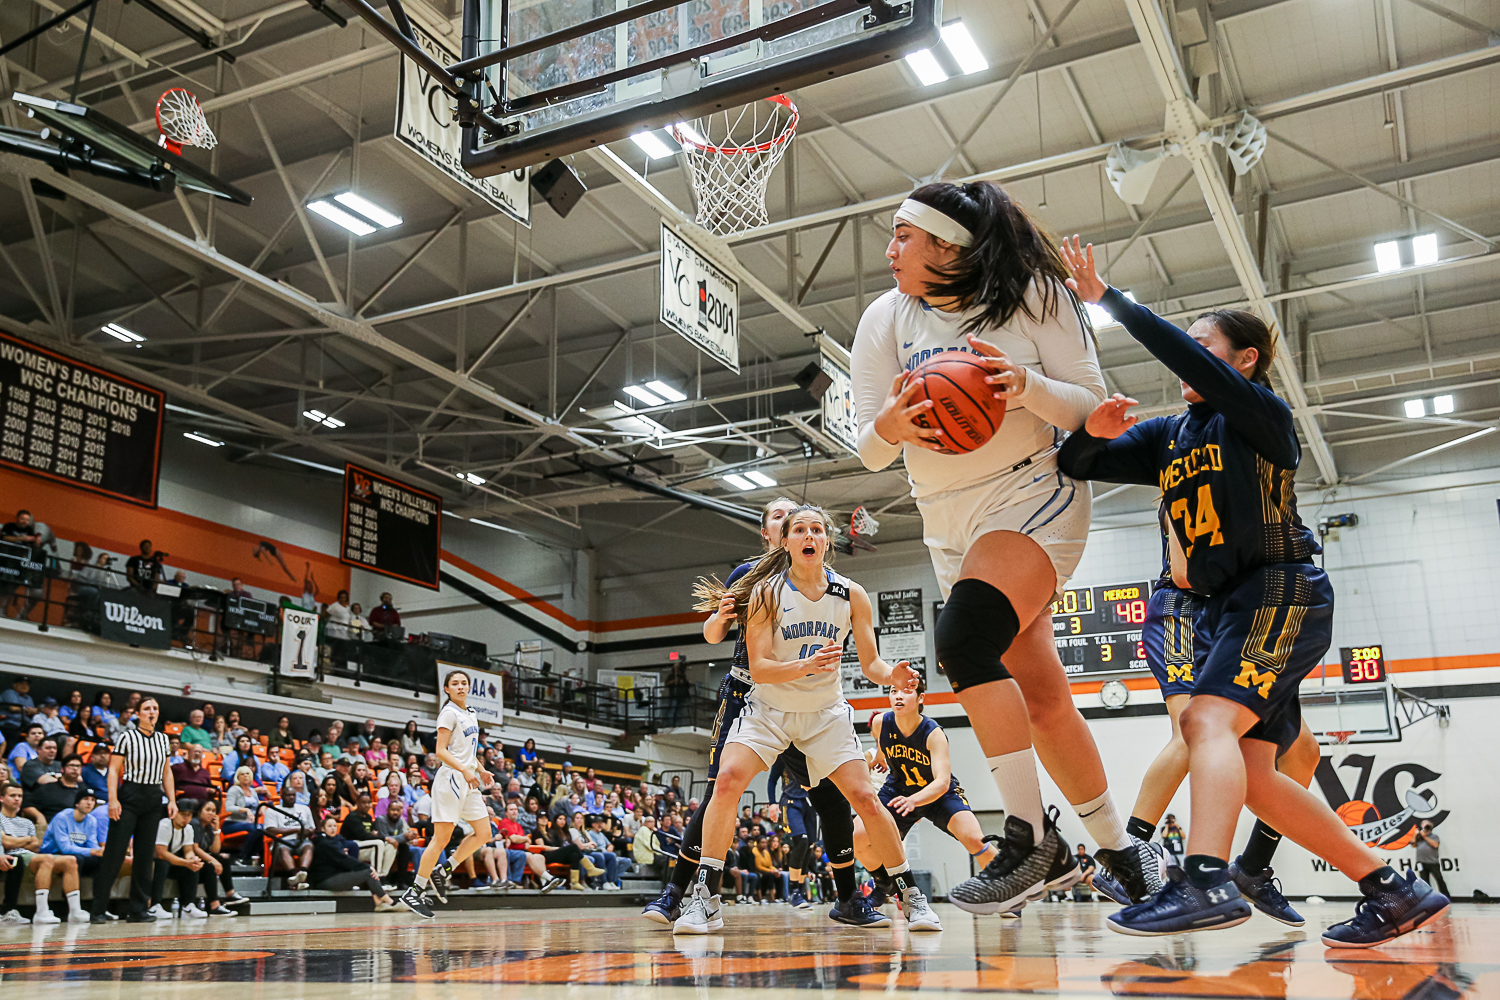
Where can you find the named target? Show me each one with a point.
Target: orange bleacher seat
(265, 741)
(288, 756)
(173, 729)
(260, 751)
(83, 749)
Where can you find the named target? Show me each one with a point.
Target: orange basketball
(964, 406)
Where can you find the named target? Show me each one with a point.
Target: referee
(140, 787)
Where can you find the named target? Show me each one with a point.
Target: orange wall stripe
(192, 543)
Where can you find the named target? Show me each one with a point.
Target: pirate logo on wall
(1398, 801)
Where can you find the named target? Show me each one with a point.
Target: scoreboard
(1098, 629)
(1363, 664)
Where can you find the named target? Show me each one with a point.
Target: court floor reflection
(1058, 950)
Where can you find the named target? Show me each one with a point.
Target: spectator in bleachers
(510, 846)
(145, 569)
(68, 710)
(362, 779)
(96, 772)
(237, 588)
(175, 858)
(391, 827)
(384, 616)
(233, 723)
(396, 790)
(343, 773)
(272, 772)
(336, 867)
(615, 864)
(24, 531)
(292, 826)
(19, 708)
(43, 767)
(531, 817)
(207, 844)
(411, 740)
(430, 765)
(18, 835)
(25, 749)
(243, 755)
(337, 617)
(82, 725)
(328, 798)
(366, 734)
(281, 735)
(49, 718)
(73, 831)
(102, 712)
(376, 756)
(331, 738)
(194, 732)
(298, 783)
(359, 625)
(241, 810)
(191, 778)
(649, 858)
(55, 794)
(527, 754)
(558, 848)
(175, 753)
(219, 740)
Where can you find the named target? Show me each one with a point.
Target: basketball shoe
(1134, 872)
(416, 901)
(1065, 872)
(666, 908)
(442, 882)
(1180, 907)
(1264, 893)
(798, 898)
(1392, 906)
(700, 912)
(859, 912)
(1017, 872)
(919, 915)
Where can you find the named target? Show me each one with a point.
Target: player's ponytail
(755, 590)
(1245, 330)
(1011, 252)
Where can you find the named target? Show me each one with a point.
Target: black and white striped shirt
(145, 756)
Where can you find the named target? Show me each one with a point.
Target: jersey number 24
(1205, 523)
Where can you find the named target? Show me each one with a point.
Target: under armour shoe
(1264, 893)
(858, 911)
(700, 912)
(416, 901)
(1137, 869)
(1110, 888)
(798, 899)
(1016, 873)
(1399, 906)
(1180, 907)
(919, 915)
(881, 891)
(666, 908)
(442, 882)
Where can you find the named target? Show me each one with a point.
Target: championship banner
(77, 424)
(839, 420)
(699, 301)
(136, 619)
(299, 642)
(486, 692)
(391, 528)
(424, 124)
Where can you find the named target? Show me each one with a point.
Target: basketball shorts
(1034, 499)
(453, 799)
(733, 694)
(940, 811)
(1265, 634)
(798, 817)
(794, 774)
(826, 736)
(1171, 638)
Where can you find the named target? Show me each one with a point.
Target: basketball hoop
(180, 120)
(1340, 737)
(862, 522)
(733, 154)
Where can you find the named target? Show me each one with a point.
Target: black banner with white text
(391, 528)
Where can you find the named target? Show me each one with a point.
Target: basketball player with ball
(973, 367)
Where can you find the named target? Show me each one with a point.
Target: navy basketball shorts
(798, 817)
(940, 811)
(732, 695)
(1266, 634)
(1171, 638)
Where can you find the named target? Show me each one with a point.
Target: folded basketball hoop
(180, 120)
(733, 154)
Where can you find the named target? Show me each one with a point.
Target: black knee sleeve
(976, 627)
(837, 820)
(800, 853)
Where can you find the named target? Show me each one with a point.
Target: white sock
(712, 863)
(894, 870)
(41, 899)
(75, 902)
(1102, 821)
(1020, 788)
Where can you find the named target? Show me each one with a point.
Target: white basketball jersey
(802, 626)
(463, 738)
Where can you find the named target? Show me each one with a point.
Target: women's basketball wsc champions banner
(391, 528)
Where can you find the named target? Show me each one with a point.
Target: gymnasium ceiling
(1395, 105)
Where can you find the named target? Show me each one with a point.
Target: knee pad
(798, 855)
(976, 627)
(837, 820)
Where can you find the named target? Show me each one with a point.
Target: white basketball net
(733, 154)
(181, 120)
(863, 524)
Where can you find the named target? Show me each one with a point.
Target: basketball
(964, 405)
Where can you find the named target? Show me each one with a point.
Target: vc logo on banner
(1385, 812)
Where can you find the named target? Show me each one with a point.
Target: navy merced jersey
(907, 757)
(739, 666)
(1224, 467)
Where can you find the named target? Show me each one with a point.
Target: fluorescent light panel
(1414, 408)
(652, 144)
(644, 395)
(318, 416)
(667, 392)
(962, 47)
(118, 332)
(929, 71)
(760, 478)
(472, 479)
(693, 135)
(339, 217)
(1388, 256)
(1424, 249)
(739, 482)
(194, 436)
(368, 209)
(1099, 316)
(1442, 404)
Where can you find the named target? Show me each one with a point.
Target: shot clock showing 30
(1098, 629)
(1363, 664)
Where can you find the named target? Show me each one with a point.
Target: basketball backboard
(1367, 713)
(566, 75)
(88, 139)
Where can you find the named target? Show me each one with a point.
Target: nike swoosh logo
(907, 345)
(1388, 880)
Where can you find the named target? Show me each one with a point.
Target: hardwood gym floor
(1054, 949)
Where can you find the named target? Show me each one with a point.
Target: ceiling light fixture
(472, 479)
(1099, 316)
(739, 482)
(1388, 256)
(929, 71)
(652, 144)
(692, 134)
(1424, 249)
(963, 48)
(118, 332)
(195, 436)
(622, 418)
(644, 395)
(368, 209)
(670, 393)
(1414, 408)
(760, 478)
(318, 416)
(1442, 404)
(339, 217)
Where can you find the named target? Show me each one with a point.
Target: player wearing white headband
(1005, 528)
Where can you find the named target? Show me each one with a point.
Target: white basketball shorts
(826, 736)
(453, 799)
(1036, 500)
